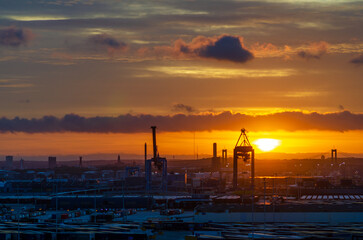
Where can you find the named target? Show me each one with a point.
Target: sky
(91, 76)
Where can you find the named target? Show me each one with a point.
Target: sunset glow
(91, 77)
(267, 144)
(303, 143)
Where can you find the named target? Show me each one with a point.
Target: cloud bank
(289, 121)
(14, 37)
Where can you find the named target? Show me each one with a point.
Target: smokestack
(145, 151)
(154, 141)
(118, 160)
(214, 150)
(80, 162)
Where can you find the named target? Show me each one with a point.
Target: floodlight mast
(244, 150)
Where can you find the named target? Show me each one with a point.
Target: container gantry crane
(244, 150)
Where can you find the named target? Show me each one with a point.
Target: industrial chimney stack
(154, 142)
(216, 161)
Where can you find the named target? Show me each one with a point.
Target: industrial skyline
(181, 119)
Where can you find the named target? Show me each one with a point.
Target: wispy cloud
(211, 72)
(179, 107)
(35, 18)
(14, 83)
(108, 42)
(70, 2)
(314, 50)
(303, 94)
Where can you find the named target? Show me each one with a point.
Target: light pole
(123, 200)
(273, 197)
(264, 203)
(95, 203)
(56, 210)
(17, 189)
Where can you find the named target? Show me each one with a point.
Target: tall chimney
(80, 162)
(214, 150)
(154, 141)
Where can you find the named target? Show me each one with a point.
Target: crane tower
(244, 150)
(159, 163)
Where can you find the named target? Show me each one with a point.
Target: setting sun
(267, 144)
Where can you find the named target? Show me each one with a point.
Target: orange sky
(173, 143)
(91, 77)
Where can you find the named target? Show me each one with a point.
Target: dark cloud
(341, 107)
(183, 108)
(314, 50)
(14, 37)
(104, 40)
(358, 60)
(308, 55)
(224, 47)
(289, 121)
